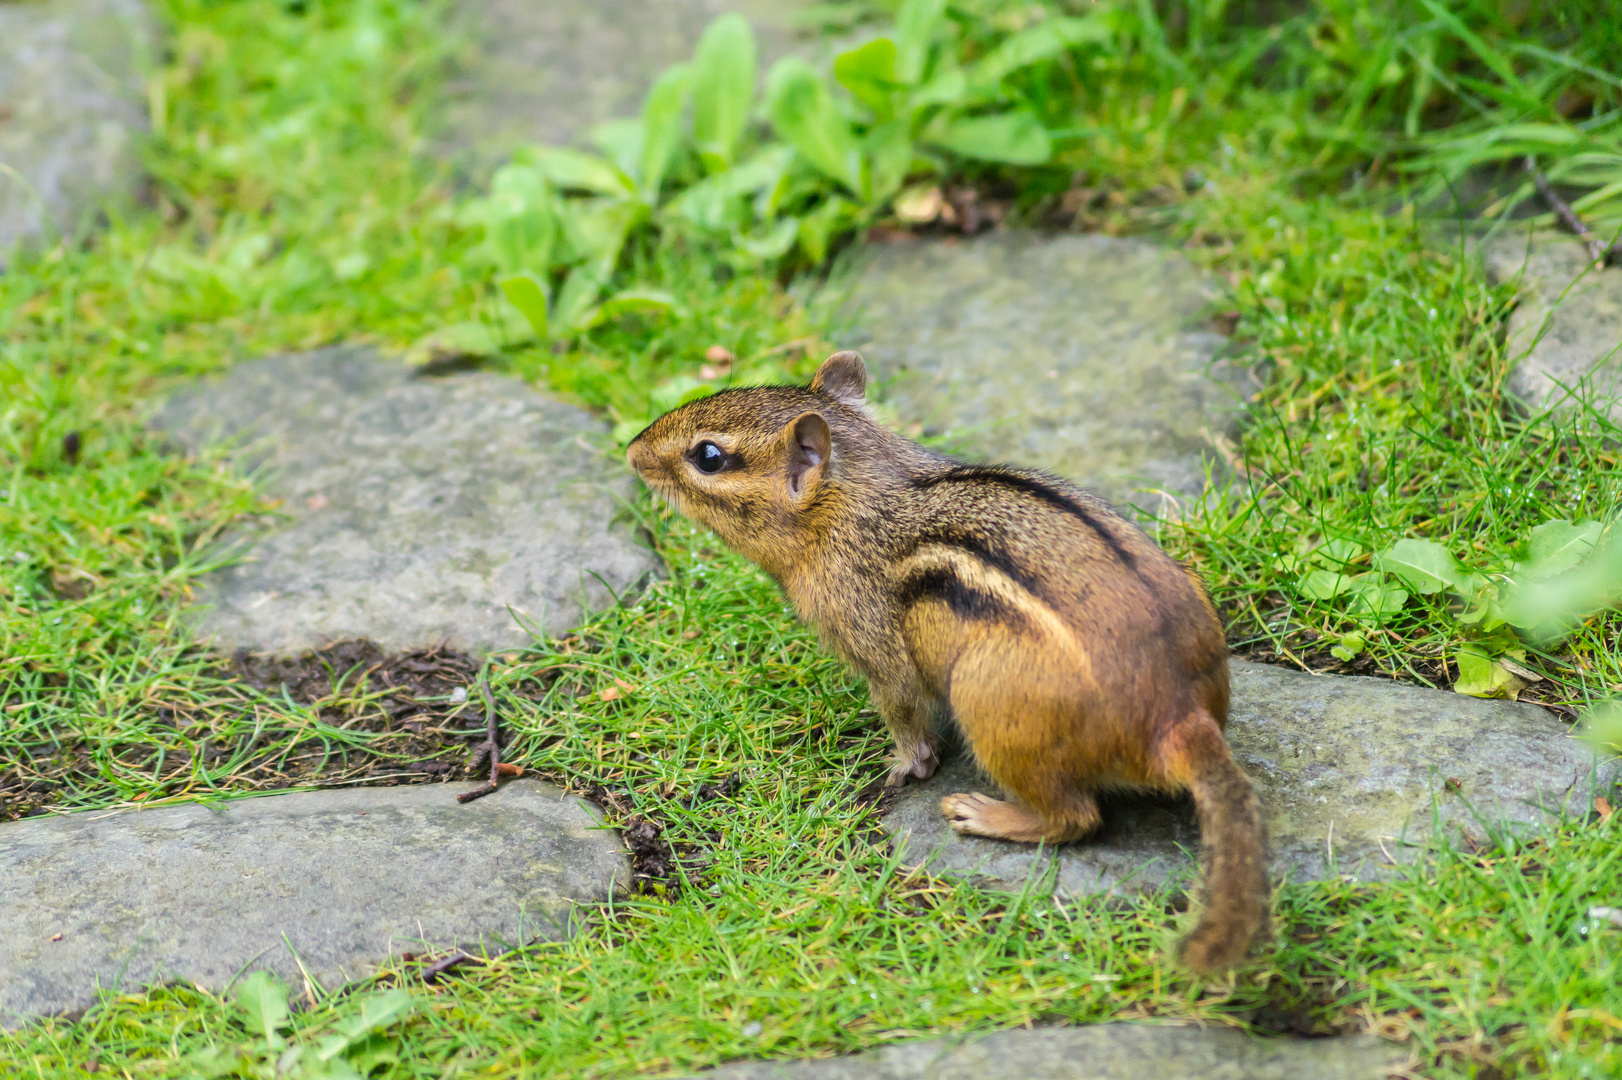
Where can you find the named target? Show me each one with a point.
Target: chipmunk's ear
(843, 377)
(807, 439)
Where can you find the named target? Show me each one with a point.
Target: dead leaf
(719, 354)
(919, 205)
(1602, 807)
(507, 768)
(316, 502)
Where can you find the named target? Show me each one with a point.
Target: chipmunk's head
(751, 463)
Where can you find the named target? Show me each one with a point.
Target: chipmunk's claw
(920, 765)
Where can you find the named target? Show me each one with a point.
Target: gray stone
(71, 107)
(1352, 766)
(419, 509)
(548, 72)
(335, 881)
(1566, 332)
(1081, 355)
(1098, 1052)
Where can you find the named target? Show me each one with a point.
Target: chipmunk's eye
(708, 457)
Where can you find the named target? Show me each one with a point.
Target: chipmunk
(1072, 652)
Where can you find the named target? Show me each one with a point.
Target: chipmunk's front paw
(919, 765)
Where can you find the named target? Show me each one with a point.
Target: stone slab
(1348, 766)
(1567, 328)
(549, 72)
(418, 509)
(336, 880)
(71, 108)
(1099, 1052)
(1082, 355)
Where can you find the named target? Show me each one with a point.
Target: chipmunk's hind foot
(973, 814)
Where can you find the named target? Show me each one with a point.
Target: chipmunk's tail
(1235, 894)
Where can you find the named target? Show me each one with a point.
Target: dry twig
(489, 746)
(1597, 250)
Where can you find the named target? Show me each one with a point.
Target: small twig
(1562, 209)
(450, 963)
(489, 745)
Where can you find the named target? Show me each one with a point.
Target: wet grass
(293, 206)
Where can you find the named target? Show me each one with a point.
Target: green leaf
(262, 999)
(1602, 726)
(916, 24)
(1017, 138)
(678, 390)
(662, 128)
(573, 170)
(724, 72)
(621, 141)
(1348, 648)
(773, 242)
(1323, 584)
(1337, 554)
(1424, 566)
(710, 202)
(626, 430)
(804, 113)
(1376, 599)
(519, 220)
(820, 225)
(1558, 545)
(641, 302)
(948, 87)
(1480, 676)
(868, 71)
(889, 156)
(528, 295)
(1046, 39)
(577, 299)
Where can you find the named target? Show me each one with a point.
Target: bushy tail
(1235, 894)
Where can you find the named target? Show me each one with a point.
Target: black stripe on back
(1056, 499)
(939, 583)
(992, 554)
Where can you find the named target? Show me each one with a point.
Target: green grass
(294, 205)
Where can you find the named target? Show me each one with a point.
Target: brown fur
(1074, 654)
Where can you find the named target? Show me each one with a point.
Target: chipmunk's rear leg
(1011, 735)
(974, 814)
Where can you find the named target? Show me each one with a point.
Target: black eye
(708, 457)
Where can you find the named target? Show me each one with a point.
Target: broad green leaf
(662, 128)
(804, 113)
(621, 141)
(1550, 606)
(1336, 554)
(641, 302)
(1480, 676)
(1046, 39)
(724, 71)
(888, 156)
(1558, 545)
(576, 171)
(707, 203)
(1423, 565)
(1376, 598)
(519, 220)
(262, 999)
(577, 299)
(528, 295)
(1602, 726)
(1017, 138)
(818, 227)
(626, 430)
(596, 231)
(948, 87)
(916, 24)
(375, 1012)
(1323, 584)
(773, 242)
(868, 71)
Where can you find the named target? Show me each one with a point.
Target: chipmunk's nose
(640, 457)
